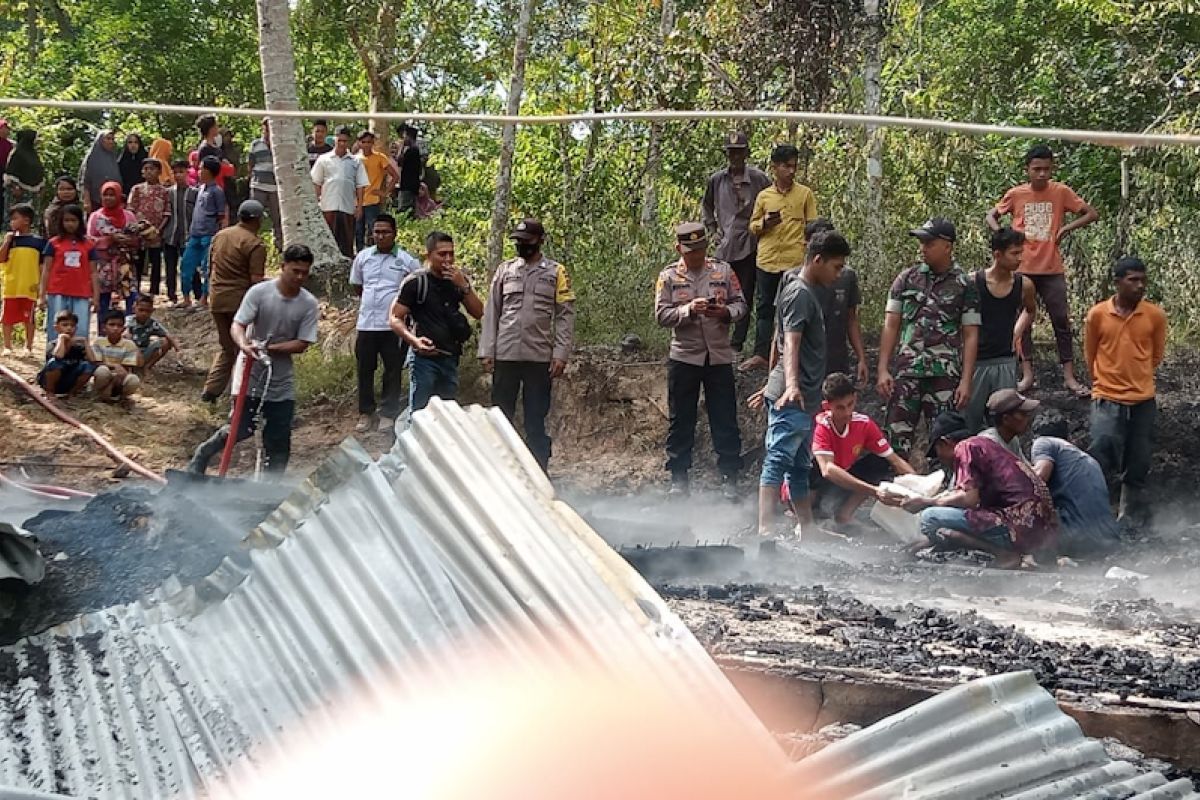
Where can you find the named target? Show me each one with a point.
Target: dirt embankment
(609, 419)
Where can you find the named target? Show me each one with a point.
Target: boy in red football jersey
(852, 453)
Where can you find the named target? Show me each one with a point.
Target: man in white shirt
(341, 182)
(376, 276)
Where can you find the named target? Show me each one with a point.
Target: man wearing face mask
(528, 333)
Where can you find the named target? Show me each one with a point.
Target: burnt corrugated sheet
(364, 573)
(997, 737)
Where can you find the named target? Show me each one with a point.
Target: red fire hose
(111, 451)
(239, 408)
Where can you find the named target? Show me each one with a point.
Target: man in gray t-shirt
(792, 395)
(277, 319)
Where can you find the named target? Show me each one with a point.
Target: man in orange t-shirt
(1123, 343)
(1039, 210)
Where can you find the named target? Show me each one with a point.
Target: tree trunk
(508, 139)
(873, 233)
(380, 100)
(303, 221)
(666, 24)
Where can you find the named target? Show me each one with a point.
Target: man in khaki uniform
(237, 261)
(528, 332)
(699, 298)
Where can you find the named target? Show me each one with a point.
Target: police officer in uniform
(528, 333)
(699, 298)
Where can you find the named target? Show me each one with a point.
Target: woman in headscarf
(99, 167)
(23, 175)
(66, 193)
(160, 151)
(111, 229)
(130, 162)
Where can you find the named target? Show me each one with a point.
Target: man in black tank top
(1007, 304)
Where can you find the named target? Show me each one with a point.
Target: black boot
(207, 449)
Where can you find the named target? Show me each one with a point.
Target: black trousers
(683, 398)
(767, 286)
(530, 379)
(370, 348)
(172, 254)
(746, 270)
(155, 255)
(277, 436)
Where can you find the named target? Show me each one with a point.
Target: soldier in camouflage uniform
(933, 313)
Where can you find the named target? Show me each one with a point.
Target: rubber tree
(872, 72)
(649, 215)
(508, 138)
(303, 222)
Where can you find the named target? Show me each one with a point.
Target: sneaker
(679, 485)
(365, 423)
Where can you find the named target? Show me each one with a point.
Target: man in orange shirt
(1039, 210)
(1124, 340)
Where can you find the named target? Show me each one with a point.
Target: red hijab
(116, 214)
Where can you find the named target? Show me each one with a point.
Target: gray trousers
(991, 375)
(1123, 442)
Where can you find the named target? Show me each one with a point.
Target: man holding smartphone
(699, 299)
(781, 212)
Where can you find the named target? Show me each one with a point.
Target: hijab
(130, 164)
(99, 167)
(116, 214)
(23, 163)
(52, 219)
(160, 151)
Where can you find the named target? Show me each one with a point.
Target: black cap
(947, 425)
(935, 228)
(736, 140)
(527, 230)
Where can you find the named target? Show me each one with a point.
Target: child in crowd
(70, 281)
(207, 218)
(150, 336)
(70, 360)
(19, 255)
(150, 202)
(114, 378)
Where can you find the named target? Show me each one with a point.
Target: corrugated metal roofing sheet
(365, 573)
(997, 737)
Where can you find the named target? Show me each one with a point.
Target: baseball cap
(691, 236)
(527, 230)
(947, 425)
(935, 228)
(1006, 400)
(250, 209)
(736, 140)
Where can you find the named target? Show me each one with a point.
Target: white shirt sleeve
(356, 270)
(360, 175)
(317, 173)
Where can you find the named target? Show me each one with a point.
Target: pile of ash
(127, 542)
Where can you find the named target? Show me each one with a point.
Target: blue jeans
(429, 376)
(195, 255)
(364, 226)
(789, 448)
(933, 520)
(80, 306)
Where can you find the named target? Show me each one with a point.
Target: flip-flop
(1081, 392)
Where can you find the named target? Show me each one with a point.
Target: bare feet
(1027, 383)
(1078, 389)
(751, 364)
(1007, 561)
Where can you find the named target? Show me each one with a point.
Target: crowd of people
(955, 349)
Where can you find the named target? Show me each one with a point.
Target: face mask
(526, 250)
(220, 140)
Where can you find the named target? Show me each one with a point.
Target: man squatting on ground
(997, 505)
(699, 298)
(793, 391)
(528, 333)
(277, 319)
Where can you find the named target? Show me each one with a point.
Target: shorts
(71, 372)
(789, 449)
(156, 344)
(106, 384)
(16, 310)
(869, 468)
